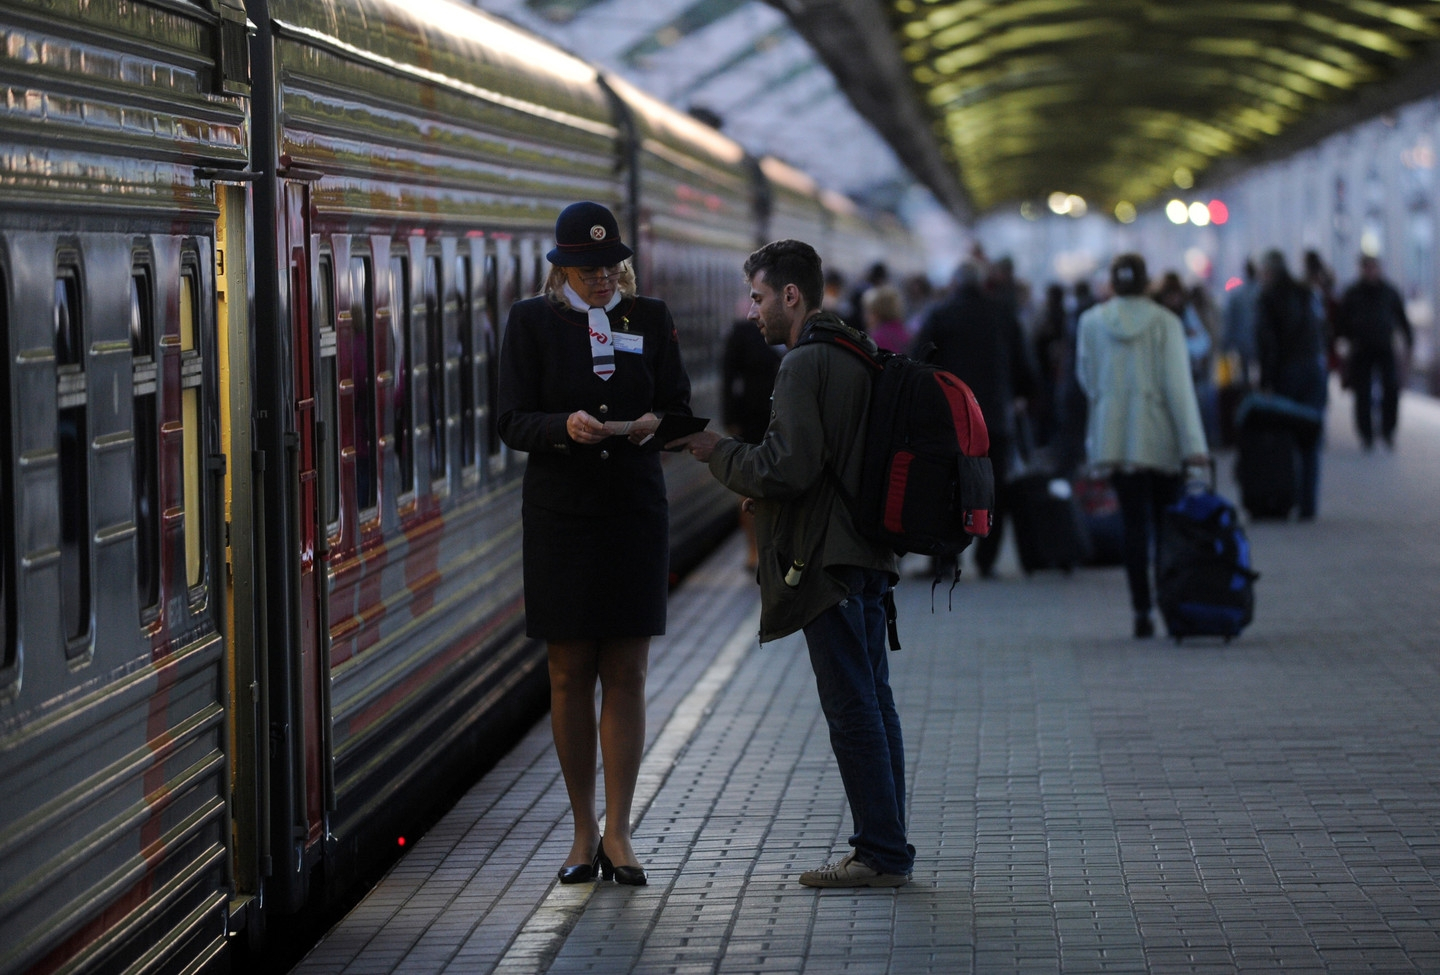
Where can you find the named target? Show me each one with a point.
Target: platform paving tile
(1080, 802)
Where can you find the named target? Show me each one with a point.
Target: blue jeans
(847, 652)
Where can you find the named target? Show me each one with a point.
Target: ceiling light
(1177, 211)
(1199, 214)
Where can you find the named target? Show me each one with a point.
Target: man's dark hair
(790, 262)
(1127, 275)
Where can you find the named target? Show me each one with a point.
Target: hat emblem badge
(597, 232)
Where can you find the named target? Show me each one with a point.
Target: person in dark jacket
(980, 341)
(817, 572)
(1371, 312)
(748, 378)
(586, 371)
(1290, 344)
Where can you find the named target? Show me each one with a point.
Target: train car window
(8, 633)
(492, 355)
(404, 429)
(465, 296)
(327, 399)
(435, 367)
(73, 439)
(144, 397)
(192, 449)
(362, 317)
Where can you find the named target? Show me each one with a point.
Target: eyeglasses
(598, 275)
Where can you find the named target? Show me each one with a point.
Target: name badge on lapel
(629, 342)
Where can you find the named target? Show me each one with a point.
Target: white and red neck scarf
(602, 345)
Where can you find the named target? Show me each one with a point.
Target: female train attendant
(586, 371)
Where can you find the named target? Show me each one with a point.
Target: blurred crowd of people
(1236, 341)
(1272, 337)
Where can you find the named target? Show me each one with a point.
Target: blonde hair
(883, 303)
(555, 283)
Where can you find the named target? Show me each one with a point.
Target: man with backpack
(818, 573)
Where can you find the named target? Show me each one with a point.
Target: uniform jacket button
(604, 455)
(604, 409)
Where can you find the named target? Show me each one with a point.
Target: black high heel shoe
(629, 876)
(582, 873)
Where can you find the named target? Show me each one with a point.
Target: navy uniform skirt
(596, 577)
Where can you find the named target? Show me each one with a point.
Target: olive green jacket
(817, 421)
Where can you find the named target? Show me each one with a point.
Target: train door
(311, 703)
(233, 309)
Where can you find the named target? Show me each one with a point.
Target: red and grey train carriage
(114, 826)
(259, 541)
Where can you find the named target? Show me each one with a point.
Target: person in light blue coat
(1144, 423)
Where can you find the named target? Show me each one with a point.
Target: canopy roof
(1119, 100)
(990, 102)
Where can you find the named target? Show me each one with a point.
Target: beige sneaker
(850, 872)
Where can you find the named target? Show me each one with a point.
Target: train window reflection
(7, 508)
(72, 435)
(362, 318)
(435, 368)
(403, 369)
(466, 317)
(144, 397)
(192, 450)
(327, 397)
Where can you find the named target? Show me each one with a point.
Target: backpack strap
(827, 337)
(813, 336)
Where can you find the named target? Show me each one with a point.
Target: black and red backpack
(926, 484)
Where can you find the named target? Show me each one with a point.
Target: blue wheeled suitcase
(1205, 584)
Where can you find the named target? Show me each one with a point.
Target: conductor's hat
(586, 235)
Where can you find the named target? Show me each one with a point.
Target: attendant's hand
(638, 431)
(701, 445)
(584, 428)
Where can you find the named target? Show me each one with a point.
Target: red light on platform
(1219, 212)
(400, 841)
(1233, 283)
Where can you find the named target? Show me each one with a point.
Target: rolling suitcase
(1267, 466)
(1205, 584)
(1104, 526)
(1049, 529)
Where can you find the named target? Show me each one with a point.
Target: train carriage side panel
(112, 742)
(852, 241)
(436, 145)
(697, 224)
(795, 209)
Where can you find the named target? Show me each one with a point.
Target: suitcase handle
(1208, 468)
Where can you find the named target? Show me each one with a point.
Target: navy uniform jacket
(546, 374)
